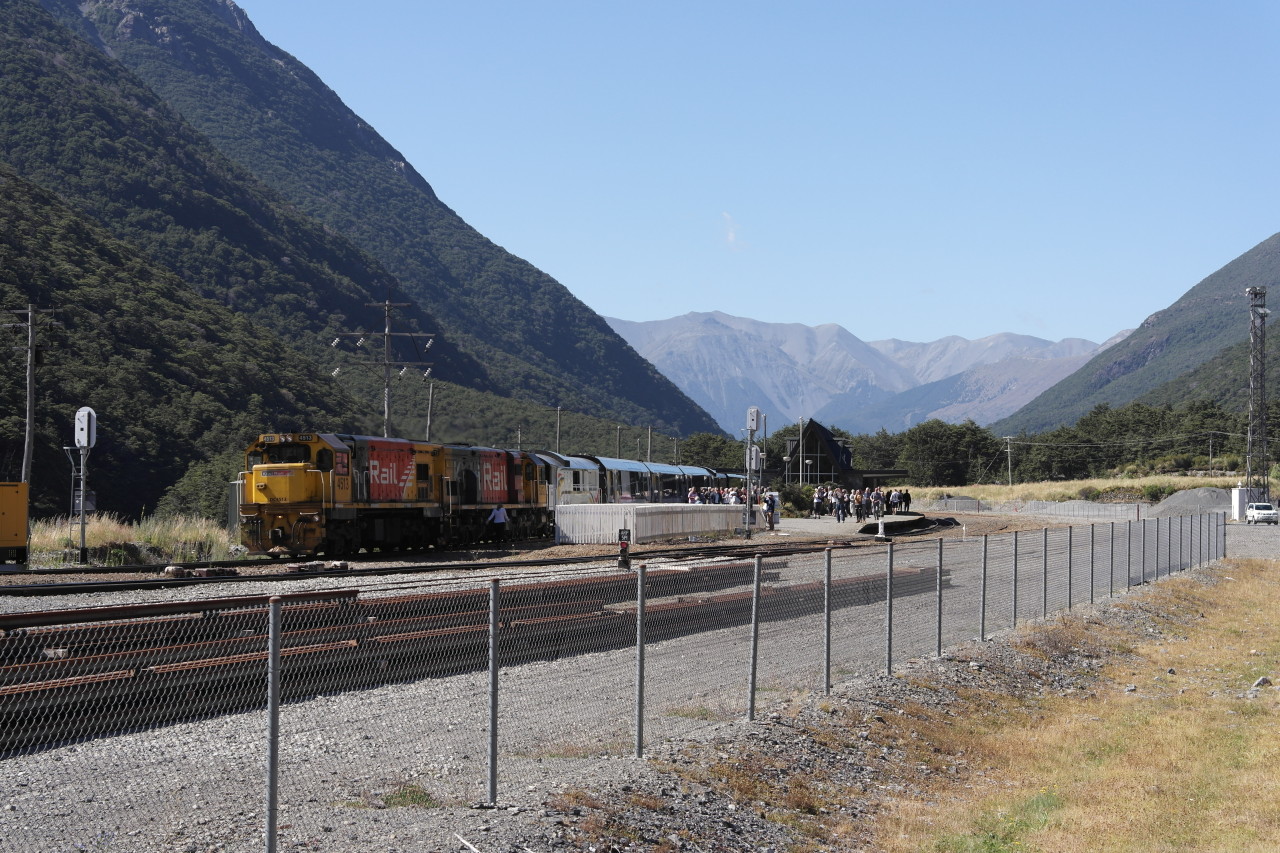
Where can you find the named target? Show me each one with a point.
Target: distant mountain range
(792, 371)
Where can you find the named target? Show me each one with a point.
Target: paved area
(810, 528)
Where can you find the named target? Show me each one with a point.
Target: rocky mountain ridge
(793, 371)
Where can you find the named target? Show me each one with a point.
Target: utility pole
(1008, 449)
(387, 363)
(33, 356)
(1257, 461)
(752, 454)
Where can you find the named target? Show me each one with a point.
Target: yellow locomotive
(312, 493)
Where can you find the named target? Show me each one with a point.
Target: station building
(819, 457)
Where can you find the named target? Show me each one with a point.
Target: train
(303, 494)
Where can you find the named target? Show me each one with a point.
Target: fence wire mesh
(147, 730)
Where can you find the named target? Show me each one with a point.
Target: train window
(424, 471)
(287, 453)
(324, 459)
(255, 458)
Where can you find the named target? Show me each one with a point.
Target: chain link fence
(258, 724)
(1074, 509)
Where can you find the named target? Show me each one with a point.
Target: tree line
(1131, 439)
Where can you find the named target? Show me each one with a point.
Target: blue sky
(905, 169)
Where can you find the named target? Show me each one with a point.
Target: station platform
(828, 527)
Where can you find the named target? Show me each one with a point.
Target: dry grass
(1175, 753)
(110, 541)
(1074, 489)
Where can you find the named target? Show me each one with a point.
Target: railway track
(80, 674)
(231, 572)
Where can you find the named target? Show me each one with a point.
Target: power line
(386, 362)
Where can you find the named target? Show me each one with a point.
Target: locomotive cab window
(255, 458)
(324, 459)
(288, 453)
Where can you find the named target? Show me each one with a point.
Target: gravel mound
(1192, 502)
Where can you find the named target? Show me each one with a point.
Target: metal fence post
(939, 621)
(640, 606)
(1142, 550)
(1111, 561)
(826, 624)
(1180, 566)
(888, 618)
(1044, 573)
(755, 638)
(1014, 622)
(1168, 548)
(493, 691)
(1093, 529)
(982, 604)
(273, 720)
(1157, 552)
(1070, 545)
(1128, 556)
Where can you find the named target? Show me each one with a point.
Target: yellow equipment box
(13, 522)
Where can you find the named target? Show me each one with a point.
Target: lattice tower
(1257, 459)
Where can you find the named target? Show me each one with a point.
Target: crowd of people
(713, 495)
(859, 504)
(765, 502)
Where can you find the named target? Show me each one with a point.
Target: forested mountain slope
(524, 334)
(79, 124)
(198, 251)
(1207, 319)
(173, 377)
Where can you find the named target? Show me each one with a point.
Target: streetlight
(786, 469)
(807, 469)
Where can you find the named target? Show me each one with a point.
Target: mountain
(980, 394)
(197, 304)
(951, 355)
(794, 371)
(169, 373)
(1166, 351)
(503, 325)
(729, 364)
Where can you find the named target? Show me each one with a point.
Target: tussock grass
(1175, 752)
(1065, 490)
(55, 541)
